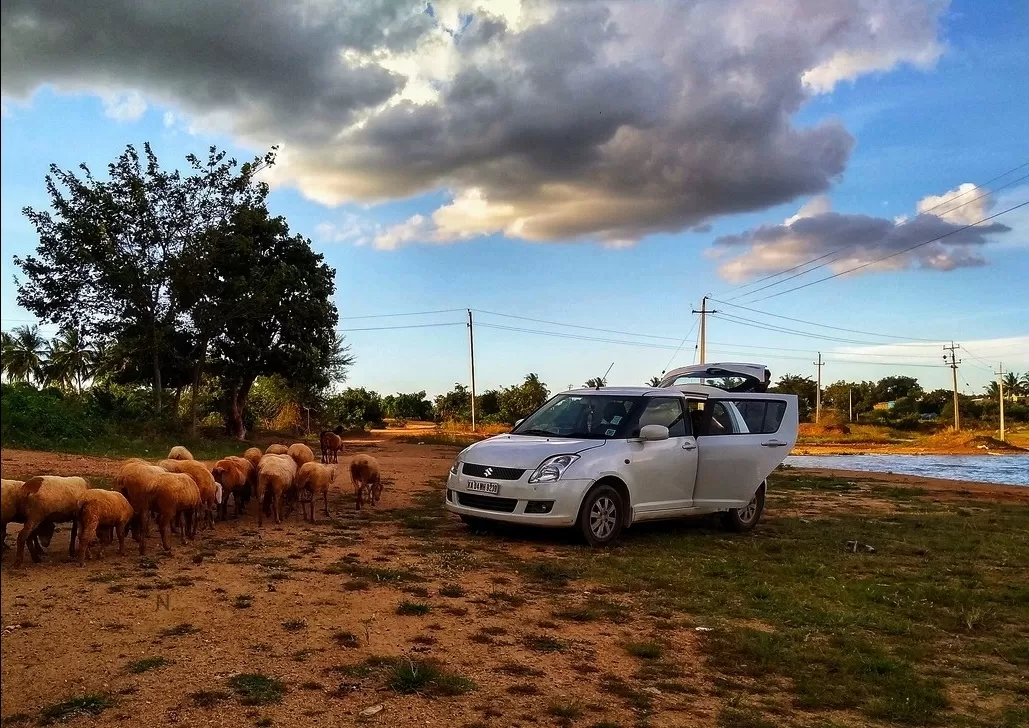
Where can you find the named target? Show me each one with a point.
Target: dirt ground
(306, 603)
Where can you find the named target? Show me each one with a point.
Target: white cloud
(818, 205)
(350, 228)
(963, 205)
(416, 229)
(125, 106)
(1012, 350)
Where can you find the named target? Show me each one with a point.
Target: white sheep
(102, 509)
(49, 499)
(179, 453)
(275, 477)
(314, 479)
(367, 480)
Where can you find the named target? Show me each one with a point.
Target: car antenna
(603, 380)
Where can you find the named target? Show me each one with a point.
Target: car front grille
(495, 473)
(487, 502)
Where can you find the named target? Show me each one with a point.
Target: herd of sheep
(180, 493)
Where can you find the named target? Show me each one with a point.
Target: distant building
(883, 405)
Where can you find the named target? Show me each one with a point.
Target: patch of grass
(552, 572)
(302, 655)
(16, 719)
(104, 578)
(243, 601)
(92, 704)
(452, 591)
(294, 625)
(178, 630)
(208, 698)
(543, 643)
(345, 639)
(456, 611)
(146, 664)
(568, 711)
(115, 588)
(619, 687)
(373, 573)
(426, 677)
(730, 717)
(594, 610)
(424, 639)
(515, 669)
(257, 689)
(645, 650)
(408, 608)
(417, 591)
(183, 581)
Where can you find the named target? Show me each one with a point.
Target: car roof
(692, 389)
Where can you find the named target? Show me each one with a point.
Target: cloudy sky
(596, 164)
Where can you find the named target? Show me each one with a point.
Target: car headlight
(551, 469)
(456, 467)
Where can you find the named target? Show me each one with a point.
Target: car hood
(523, 451)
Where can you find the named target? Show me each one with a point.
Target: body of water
(1005, 469)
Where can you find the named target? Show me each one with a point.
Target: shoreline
(870, 448)
(945, 488)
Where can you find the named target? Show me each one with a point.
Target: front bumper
(564, 498)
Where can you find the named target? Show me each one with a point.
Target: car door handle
(689, 446)
(773, 443)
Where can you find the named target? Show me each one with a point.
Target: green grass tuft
(146, 664)
(92, 704)
(256, 689)
(408, 608)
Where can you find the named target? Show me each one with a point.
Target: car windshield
(594, 416)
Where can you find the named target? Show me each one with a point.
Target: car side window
(760, 417)
(665, 411)
(720, 422)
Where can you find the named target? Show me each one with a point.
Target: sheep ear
(32, 485)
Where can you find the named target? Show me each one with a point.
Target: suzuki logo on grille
(487, 472)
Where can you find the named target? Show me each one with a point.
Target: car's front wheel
(602, 515)
(744, 519)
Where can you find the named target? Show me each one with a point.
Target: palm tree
(654, 382)
(70, 362)
(993, 390)
(1012, 385)
(25, 354)
(6, 346)
(596, 382)
(1024, 383)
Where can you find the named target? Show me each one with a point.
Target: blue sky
(916, 132)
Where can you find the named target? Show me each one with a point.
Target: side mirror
(653, 433)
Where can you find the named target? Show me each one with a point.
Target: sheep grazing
(276, 449)
(314, 479)
(331, 443)
(175, 495)
(48, 499)
(367, 480)
(179, 453)
(275, 477)
(300, 453)
(137, 481)
(234, 475)
(12, 498)
(204, 481)
(102, 509)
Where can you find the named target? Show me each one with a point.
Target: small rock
(652, 690)
(703, 629)
(371, 710)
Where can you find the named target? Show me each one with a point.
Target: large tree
(271, 295)
(110, 248)
(804, 387)
(25, 354)
(70, 361)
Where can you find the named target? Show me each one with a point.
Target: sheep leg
(277, 507)
(23, 536)
(325, 497)
(87, 534)
(120, 529)
(188, 525)
(163, 522)
(71, 545)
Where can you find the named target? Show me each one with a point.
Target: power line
(679, 348)
(838, 250)
(408, 326)
(392, 315)
(824, 326)
(577, 326)
(793, 332)
(894, 255)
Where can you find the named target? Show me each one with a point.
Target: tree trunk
(236, 407)
(157, 368)
(198, 374)
(178, 398)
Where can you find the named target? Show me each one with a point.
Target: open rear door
(745, 437)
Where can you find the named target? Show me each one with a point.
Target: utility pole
(850, 402)
(818, 391)
(1000, 383)
(703, 328)
(471, 354)
(954, 361)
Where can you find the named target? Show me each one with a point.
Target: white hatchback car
(604, 459)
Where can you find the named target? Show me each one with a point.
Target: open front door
(744, 437)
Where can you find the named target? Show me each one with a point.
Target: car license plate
(479, 486)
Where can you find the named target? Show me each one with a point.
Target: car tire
(602, 516)
(744, 519)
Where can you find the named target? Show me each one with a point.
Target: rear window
(760, 417)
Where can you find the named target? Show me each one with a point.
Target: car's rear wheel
(602, 516)
(744, 519)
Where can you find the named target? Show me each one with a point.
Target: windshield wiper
(541, 433)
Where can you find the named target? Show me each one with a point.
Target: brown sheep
(179, 453)
(12, 499)
(314, 479)
(300, 453)
(365, 475)
(175, 494)
(331, 443)
(275, 479)
(49, 499)
(204, 480)
(234, 475)
(137, 481)
(102, 509)
(276, 449)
